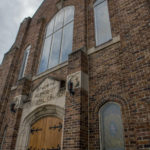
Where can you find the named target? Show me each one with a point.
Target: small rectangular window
(102, 22)
(24, 62)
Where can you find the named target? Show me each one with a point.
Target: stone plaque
(75, 78)
(79, 80)
(46, 91)
(19, 100)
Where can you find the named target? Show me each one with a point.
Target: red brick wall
(119, 73)
(9, 66)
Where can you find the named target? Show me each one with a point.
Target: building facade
(78, 78)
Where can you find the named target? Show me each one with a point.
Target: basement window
(58, 39)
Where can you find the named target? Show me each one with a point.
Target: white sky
(12, 13)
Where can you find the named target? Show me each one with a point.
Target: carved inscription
(47, 91)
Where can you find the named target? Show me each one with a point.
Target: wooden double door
(46, 134)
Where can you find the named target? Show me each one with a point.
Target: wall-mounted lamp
(12, 107)
(70, 87)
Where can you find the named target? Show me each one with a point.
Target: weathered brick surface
(118, 73)
(76, 109)
(121, 73)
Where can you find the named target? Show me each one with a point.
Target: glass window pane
(98, 2)
(111, 127)
(23, 65)
(102, 23)
(50, 28)
(55, 52)
(59, 20)
(45, 54)
(67, 42)
(69, 14)
(29, 47)
(24, 62)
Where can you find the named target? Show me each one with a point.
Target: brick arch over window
(40, 112)
(57, 39)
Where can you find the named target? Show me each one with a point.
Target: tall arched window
(102, 22)
(58, 39)
(24, 62)
(111, 127)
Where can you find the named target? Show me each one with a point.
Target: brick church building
(78, 78)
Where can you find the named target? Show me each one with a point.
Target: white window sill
(49, 71)
(109, 43)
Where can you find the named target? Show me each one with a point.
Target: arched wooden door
(46, 134)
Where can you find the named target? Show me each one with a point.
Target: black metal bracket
(12, 107)
(70, 87)
(35, 130)
(55, 127)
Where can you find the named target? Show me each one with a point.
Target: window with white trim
(58, 39)
(111, 127)
(24, 62)
(102, 22)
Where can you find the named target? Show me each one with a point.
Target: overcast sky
(12, 13)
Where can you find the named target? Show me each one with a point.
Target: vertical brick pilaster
(76, 111)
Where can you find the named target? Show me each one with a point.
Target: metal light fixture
(70, 87)
(12, 107)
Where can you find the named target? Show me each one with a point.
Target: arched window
(111, 127)
(24, 62)
(102, 22)
(58, 39)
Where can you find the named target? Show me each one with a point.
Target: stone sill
(105, 45)
(49, 71)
